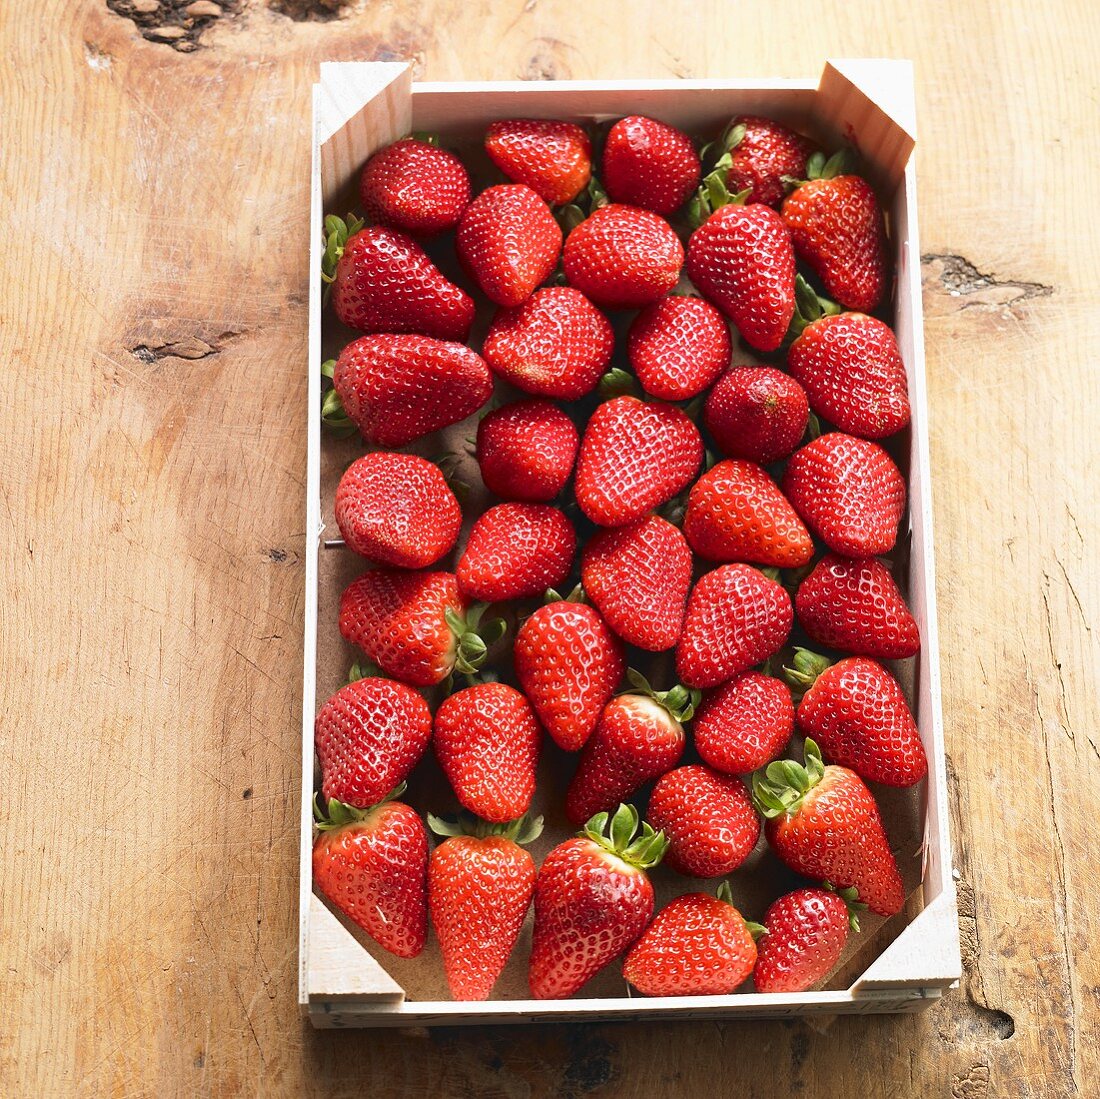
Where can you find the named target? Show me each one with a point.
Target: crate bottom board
(331, 1015)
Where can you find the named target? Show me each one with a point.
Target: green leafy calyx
(680, 701)
(621, 835)
(781, 787)
(525, 829)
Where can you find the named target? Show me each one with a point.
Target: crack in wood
(961, 279)
(187, 347)
(313, 11)
(176, 23)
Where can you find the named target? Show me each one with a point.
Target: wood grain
(153, 328)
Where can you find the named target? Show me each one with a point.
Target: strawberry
(369, 735)
(397, 509)
(638, 576)
(553, 158)
(839, 232)
(736, 617)
(804, 935)
(592, 900)
(487, 742)
(634, 456)
(741, 259)
(516, 551)
(735, 512)
(415, 186)
(415, 625)
(708, 818)
(848, 492)
(678, 346)
(649, 164)
(555, 344)
(371, 864)
(639, 736)
(480, 883)
(383, 281)
(854, 604)
(568, 664)
(698, 945)
(744, 724)
(761, 153)
(851, 370)
(508, 242)
(526, 450)
(823, 823)
(623, 257)
(856, 711)
(758, 413)
(396, 389)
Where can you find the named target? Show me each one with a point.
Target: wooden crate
(901, 965)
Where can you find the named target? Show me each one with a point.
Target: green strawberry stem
(804, 669)
(575, 596)
(680, 701)
(337, 232)
(618, 382)
(819, 166)
(363, 669)
(427, 136)
(337, 814)
(591, 198)
(620, 836)
(525, 829)
(809, 306)
(781, 786)
(333, 415)
(720, 149)
(713, 194)
(473, 638)
(850, 897)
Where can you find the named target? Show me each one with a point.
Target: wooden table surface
(153, 334)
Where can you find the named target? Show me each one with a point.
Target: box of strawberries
(621, 689)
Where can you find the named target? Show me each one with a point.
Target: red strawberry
(634, 456)
(848, 492)
(526, 450)
(756, 412)
(761, 153)
(744, 724)
(623, 257)
(638, 737)
(735, 512)
(480, 883)
(854, 604)
(853, 375)
(698, 945)
(395, 389)
(568, 664)
(397, 509)
(678, 346)
(553, 158)
(516, 551)
(414, 625)
(824, 823)
(708, 818)
(736, 617)
(369, 736)
(487, 742)
(649, 164)
(839, 232)
(857, 713)
(556, 344)
(371, 864)
(383, 281)
(592, 900)
(804, 936)
(415, 186)
(638, 577)
(508, 242)
(741, 259)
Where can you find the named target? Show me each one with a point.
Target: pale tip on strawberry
(680, 701)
